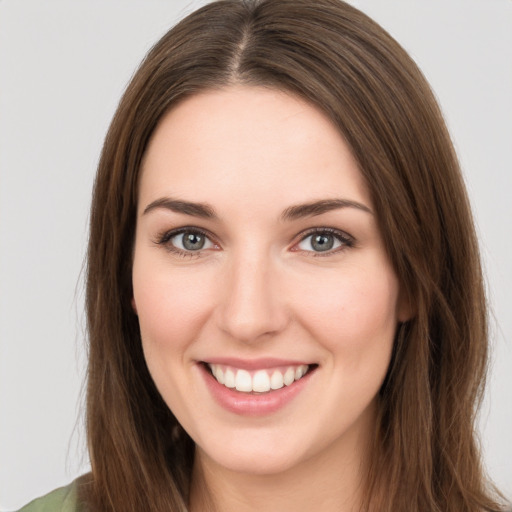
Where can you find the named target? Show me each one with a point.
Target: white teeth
(289, 376)
(276, 381)
(229, 379)
(219, 374)
(260, 381)
(243, 381)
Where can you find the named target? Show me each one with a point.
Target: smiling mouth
(258, 381)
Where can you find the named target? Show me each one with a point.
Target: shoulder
(63, 499)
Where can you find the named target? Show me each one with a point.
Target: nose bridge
(251, 305)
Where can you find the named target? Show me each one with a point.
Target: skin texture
(258, 289)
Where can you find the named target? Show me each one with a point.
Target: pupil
(322, 242)
(193, 241)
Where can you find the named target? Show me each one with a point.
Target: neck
(330, 481)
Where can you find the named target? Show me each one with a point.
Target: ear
(134, 306)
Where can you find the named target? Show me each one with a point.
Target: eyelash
(165, 238)
(345, 240)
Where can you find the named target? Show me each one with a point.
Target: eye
(326, 241)
(191, 241)
(186, 241)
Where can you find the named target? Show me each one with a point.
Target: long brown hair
(425, 456)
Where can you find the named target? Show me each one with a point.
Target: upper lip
(254, 364)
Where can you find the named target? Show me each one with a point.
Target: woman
(284, 293)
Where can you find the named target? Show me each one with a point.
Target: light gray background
(63, 67)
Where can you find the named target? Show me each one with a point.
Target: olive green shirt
(63, 499)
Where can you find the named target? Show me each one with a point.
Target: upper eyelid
(170, 233)
(163, 239)
(332, 231)
(346, 240)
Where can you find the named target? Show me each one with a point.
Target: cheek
(351, 310)
(171, 306)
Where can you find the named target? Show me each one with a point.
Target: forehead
(251, 143)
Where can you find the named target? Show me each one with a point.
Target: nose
(252, 307)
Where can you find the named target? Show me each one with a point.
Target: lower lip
(249, 404)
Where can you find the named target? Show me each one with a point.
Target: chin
(252, 460)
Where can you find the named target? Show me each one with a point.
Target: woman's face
(258, 258)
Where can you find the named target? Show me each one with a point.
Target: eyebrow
(319, 207)
(188, 208)
(206, 211)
